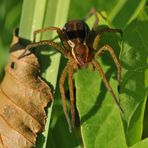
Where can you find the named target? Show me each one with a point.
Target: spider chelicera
(80, 47)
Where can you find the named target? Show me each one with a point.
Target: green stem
(37, 14)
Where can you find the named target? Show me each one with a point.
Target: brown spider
(79, 47)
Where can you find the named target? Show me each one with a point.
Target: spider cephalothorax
(76, 31)
(80, 47)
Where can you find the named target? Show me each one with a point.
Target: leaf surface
(134, 61)
(141, 144)
(99, 115)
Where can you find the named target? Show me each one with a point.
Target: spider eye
(80, 26)
(80, 55)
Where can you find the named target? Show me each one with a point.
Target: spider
(80, 47)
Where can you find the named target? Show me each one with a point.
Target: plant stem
(37, 14)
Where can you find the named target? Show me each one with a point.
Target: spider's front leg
(59, 32)
(111, 51)
(62, 91)
(98, 67)
(45, 42)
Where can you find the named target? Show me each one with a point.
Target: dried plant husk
(23, 98)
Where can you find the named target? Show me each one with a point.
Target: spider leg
(58, 30)
(111, 51)
(94, 12)
(98, 67)
(72, 100)
(111, 30)
(100, 34)
(62, 91)
(45, 42)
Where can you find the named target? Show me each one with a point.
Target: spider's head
(80, 53)
(76, 31)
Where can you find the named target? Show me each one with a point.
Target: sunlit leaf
(141, 144)
(134, 84)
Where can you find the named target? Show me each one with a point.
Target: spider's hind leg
(94, 12)
(62, 91)
(59, 32)
(72, 100)
(98, 67)
(111, 51)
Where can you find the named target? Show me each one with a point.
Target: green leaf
(60, 129)
(86, 6)
(101, 123)
(3, 59)
(33, 21)
(134, 84)
(120, 12)
(141, 144)
(9, 17)
(125, 11)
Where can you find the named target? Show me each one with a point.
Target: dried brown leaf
(23, 98)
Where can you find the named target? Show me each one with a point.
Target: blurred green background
(10, 15)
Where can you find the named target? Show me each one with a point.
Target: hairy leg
(45, 42)
(98, 67)
(72, 100)
(94, 12)
(111, 51)
(111, 30)
(62, 91)
(58, 30)
(100, 33)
